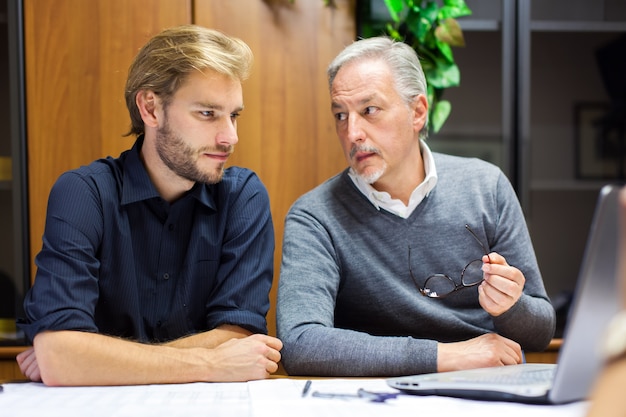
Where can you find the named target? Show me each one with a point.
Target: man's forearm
(79, 358)
(211, 338)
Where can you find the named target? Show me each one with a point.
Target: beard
(182, 159)
(372, 174)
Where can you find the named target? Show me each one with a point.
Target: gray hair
(402, 61)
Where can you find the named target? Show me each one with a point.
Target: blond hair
(163, 64)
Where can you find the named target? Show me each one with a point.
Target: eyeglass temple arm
(469, 229)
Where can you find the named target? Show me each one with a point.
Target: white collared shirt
(382, 199)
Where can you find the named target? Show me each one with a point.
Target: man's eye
(370, 110)
(235, 115)
(207, 113)
(340, 116)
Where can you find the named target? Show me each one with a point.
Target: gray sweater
(347, 305)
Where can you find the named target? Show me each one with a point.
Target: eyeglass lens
(440, 285)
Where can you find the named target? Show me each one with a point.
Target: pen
(307, 387)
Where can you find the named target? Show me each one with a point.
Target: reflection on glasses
(441, 285)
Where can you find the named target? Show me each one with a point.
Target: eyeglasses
(375, 397)
(441, 285)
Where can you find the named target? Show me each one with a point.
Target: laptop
(579, 362)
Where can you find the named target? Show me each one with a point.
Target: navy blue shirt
(117, 259)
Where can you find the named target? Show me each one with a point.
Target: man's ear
(420, 112)
(147, 101)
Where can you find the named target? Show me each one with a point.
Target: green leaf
(393, 33)
(430, 12)
(443, 75)
(394, 7)
(454, 9)
(418, 26)
(431, 96)
(439, 114)
(449, 31)
(444, 51)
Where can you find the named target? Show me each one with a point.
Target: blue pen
(307, 387)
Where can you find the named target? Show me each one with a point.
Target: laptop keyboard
(517, 377)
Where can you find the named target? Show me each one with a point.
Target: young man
(156, 266)
(377, 275)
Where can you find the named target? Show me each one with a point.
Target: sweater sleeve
(307, 292)
(532, 320)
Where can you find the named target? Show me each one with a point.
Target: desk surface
(272, 397)
(10, 352)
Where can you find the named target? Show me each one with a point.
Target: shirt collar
(137, 185)
(381, 199)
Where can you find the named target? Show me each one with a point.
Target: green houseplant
(431, 28)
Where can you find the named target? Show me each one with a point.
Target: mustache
(363, 148)
(218, 148)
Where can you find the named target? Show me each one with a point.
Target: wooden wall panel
(286, 132)
(77, 57)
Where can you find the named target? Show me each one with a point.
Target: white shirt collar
(381, 199)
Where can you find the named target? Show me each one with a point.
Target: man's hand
(483, 351)
(27, 362)
(250, 358)
(502, 287)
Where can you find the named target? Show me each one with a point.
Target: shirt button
(171, 227)
(166, 276)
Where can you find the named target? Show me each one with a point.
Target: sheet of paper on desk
(268, 398)
(198, 399)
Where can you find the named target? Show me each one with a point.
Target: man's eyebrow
(209, 105)
(365, 100)
(219, 107)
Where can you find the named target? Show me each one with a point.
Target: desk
(9, 370)
(272, 397)
(549, 355)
